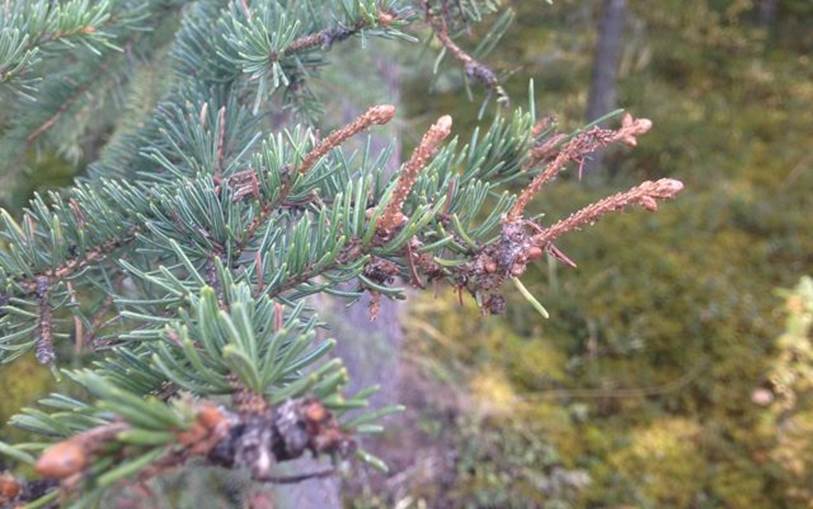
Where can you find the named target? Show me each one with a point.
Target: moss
(670, 320)
(22, 382)
(660, 458)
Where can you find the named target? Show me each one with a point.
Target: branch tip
(376, 115)
(575, 150)
(393, 216)
(645, 194)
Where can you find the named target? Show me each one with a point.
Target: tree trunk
(602, 98)
(767, 12)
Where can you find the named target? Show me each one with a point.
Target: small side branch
(256, 440)
(376, 115)
(247, 183)
(327, 37)
(473, 67)
(645, 194)
(393, 217)
(293, 479)
(74, 265)
(576, 150)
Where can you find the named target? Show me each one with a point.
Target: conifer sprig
(185, 258)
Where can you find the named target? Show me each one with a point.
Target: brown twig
(645, 194)
(576, 150)
(473, 67)
(393, 217)
(413, 270)
(73, 265)
(376, 115)
(543, 151)
(98, 322)
(292, 479)
(327, 37)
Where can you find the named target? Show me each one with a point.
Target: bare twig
(392, 217)
(473, 67)
(645, 194)
(293, 479)
(376, 115)
(576, 150)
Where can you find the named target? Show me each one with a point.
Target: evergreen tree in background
(181, 262)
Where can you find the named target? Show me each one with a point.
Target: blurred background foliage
(671, 373)
(644, 377)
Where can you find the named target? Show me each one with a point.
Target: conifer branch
(473, 67)
(73, 265)
(215, 357)
(66, 105)
(576, 150)
(327, 37)
(392, 217)
(645, 194)
(60, 26)
(255, 440)
(375, 115)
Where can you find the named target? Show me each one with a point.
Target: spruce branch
(256, 441)
(522, 242)
(645, 194)
(392, 217)
(73, 265)
(473, 67)
(35, 32)
(215, 231)
(327, 37)
(376, 115)
(575, 150)
(65, 106)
